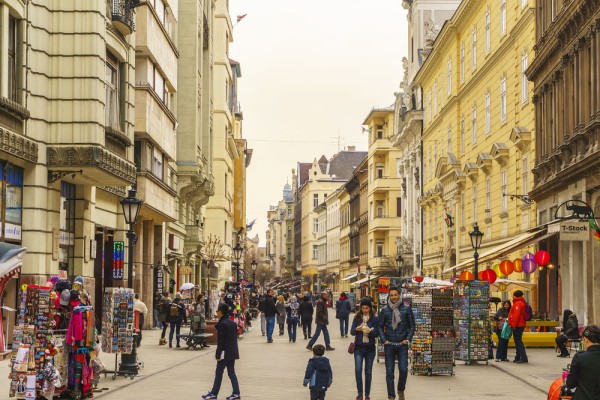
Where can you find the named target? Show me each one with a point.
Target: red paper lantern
(542, 258)
(518, 263)
(418, 278)
(489, 275)
(466, 276)
(507, 267)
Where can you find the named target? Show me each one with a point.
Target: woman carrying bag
(500, 318)
(364, 328)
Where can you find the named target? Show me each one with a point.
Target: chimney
(351, 148)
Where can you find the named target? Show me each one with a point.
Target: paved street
(276, 371)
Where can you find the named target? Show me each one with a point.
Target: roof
(384, 110)
(343, 164)
(303, 169)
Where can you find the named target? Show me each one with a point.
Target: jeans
(518, 337)
(221, 365)
(281, 326)
(175, 326)
(164, 329)
(502, 350)
(393, 351)
(270, 327)
(155, 318)
(368, 356)
(292, 330)
(307, 327)
(263, 323)
(139, 337)
(344, 325)
(317, 395)
(317, 333)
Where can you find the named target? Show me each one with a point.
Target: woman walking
(306, 316)
(364, 328)
(281, 314)
(500, 317)
(292, 317)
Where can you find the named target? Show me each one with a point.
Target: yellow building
(383, 196)
(477, 140)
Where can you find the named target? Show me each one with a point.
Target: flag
(241, 17)
(250, 225)
(366, 130)
(594, 226)
(449, 220)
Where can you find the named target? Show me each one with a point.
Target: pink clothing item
(75, 329)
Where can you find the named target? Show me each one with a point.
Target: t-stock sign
(118, 260)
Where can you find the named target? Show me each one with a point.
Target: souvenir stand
(118, 325)
(471, 320)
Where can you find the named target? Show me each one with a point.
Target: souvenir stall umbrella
(187, 286)
(11, 259)
(131, 210)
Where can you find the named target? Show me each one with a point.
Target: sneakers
(401, 396)
(359, 397)
(233, 396)
(209, 395)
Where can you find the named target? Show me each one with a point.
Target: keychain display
(471, 320)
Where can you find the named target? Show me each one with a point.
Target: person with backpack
(293, 317)
(165, 303)
(176, 316)
(518, 316)
(318, 375)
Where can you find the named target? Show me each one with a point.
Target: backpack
(528, 312)
(174, 310)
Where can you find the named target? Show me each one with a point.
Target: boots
(162, 341)
(170, 345)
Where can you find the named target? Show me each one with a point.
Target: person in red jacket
(517, 321)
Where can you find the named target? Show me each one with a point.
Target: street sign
(574, 231)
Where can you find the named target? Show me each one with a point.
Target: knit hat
(518, 293)
(53, 279)
(62, 284)
(79, 280)
(177, 295)
(365, 301)
(65, 296)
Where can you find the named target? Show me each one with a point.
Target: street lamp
(254, 265)
(476, 236)
(399, 264)
(369, 270)
(131, 210)
(237, 254)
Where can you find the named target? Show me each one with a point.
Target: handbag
(506, 331)
(351, 347)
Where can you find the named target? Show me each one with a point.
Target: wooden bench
(533, 339)
(194, 340)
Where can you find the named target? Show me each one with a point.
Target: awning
(436, 282)
(348, 277)
(520, 241)
(509, 283)
(360, 282)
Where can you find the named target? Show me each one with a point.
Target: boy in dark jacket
(318, 376)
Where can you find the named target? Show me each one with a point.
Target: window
(12, 58)
(462, 62)
(462, 135)
(488, 195)
(474, 48)
(157, 164)
(525, 174)
(113, 113)
(160, 86)
(379, 132)
(315, 200)
(503, 99)
(503, 198)
(289, 233)
(289, 254)
(379, 244)
(474, 203)
(502, 17)
(398, 206)
(315, 225)
(524, 81)
(380, 208)
(435, 98)
(289, 211)
(449, 139)
(449, 76)
(315, 252)
(473, 125)
(488, 113)
(379, 168)
(488, 34)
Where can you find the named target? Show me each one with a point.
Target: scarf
(396, 316)
(365, 328)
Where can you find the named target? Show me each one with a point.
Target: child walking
(318, 376)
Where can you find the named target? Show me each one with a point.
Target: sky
(311, 72)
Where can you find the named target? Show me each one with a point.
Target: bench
(194, 340)
(533, 339)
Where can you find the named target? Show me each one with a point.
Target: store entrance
(102, 268)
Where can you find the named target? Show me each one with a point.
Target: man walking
(396, 330)
(261, 310)
(270, 313)
(139, 306)
(517, 321)
(322, 320)
(226, 354)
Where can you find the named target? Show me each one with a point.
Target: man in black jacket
(322, 320)
(306, 316)
(270, 312)
(226, 354)
(585, 367)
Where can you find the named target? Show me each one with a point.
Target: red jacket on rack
(516, 316)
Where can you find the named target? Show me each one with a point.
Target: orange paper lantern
(466, 276)
(507, 267)
(518, 263)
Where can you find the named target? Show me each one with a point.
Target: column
(3, 54)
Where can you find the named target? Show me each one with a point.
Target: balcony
(384, 223)
(384, 184)
(193, 235)
(381, 263)
(380, 146)
(154, 120)
(159, 199)
(122, 15)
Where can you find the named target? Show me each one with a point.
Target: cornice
(18, 146)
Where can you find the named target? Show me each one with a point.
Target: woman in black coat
(306, 311)
(570, 331)
(500, 317)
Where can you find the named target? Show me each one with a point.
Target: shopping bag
(506, 331)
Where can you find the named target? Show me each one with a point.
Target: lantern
(490, 276)
(496, 268)
(528, 256)
(529, 266)
(418, 278)
(466, 276)
(507, 267)
(542, 258)
(518, 263)
(480, 276)
(453, 279)
(502, 287)
(550, 266)
(540, 267)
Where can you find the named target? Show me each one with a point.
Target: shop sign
(63, 238)
(185, 270)
(574, 231)
(159, 279)
(118, 260)
(55, 244)
(12, 231)
(92, 249)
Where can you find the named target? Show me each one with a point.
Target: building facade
(280, 235)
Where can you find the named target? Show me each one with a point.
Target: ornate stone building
(566, 72)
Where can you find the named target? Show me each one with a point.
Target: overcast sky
(311, 71)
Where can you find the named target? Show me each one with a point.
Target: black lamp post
(254, 266)
(237, 255)
(369, 270)
(131, 210)
(399, 264)
(476, 236)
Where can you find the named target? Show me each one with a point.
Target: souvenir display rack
(117, 321)
(471, 320)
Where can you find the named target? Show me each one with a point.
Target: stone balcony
(193, 235)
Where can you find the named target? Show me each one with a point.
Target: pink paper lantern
(529, 266)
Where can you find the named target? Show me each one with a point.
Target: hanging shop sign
(158, 274)
(574, 231)
(185, 270)
(118, 260)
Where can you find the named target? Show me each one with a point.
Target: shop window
(113, 108)
(11, 191)
(67, 227)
